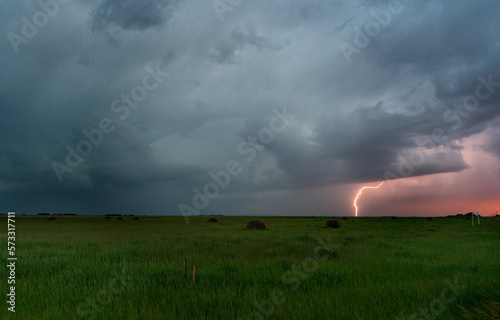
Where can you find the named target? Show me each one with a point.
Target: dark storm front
(248, 149)
(122, 106)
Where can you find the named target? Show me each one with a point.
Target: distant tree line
(56, 214)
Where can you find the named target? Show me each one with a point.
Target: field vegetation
(369, 268)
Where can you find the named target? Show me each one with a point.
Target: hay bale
(108, 217)
(51, 218)
(332, 224)
(429, 219)
(119, 218)
(212, 220)
(345, 218)
(394, 218)
(135, 218)
(256, 224)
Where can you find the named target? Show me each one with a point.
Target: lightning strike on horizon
(359, 193)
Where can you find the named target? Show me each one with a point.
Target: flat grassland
(369, 268)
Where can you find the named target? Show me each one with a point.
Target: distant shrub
(212, 220)
(51, 218)
(256, 224)
(332, 224)
(135, 218)
(119, 218)
(345, 218)
(429, 219)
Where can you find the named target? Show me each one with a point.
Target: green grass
(94, 268)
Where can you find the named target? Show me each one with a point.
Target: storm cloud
(130, 106)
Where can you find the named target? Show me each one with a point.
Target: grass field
(369, 268)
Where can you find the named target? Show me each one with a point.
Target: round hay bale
(394, 218)
(108, 217)
(256, 224)
(332, 224)
(212, 220)
(345, 218)
(135, 218)
(429, 219)
(119, 218)
(51, 218)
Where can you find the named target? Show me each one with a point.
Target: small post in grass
(194, 271)
(472, 217)
(185, 270)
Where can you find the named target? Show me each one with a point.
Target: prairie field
(369, 268)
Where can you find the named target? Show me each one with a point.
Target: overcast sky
(250, 107)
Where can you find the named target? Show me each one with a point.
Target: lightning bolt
(359, 193)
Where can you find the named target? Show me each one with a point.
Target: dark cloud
(402, 99)
(130, 15)
(227, 48)
(367, 142)
(492, 143)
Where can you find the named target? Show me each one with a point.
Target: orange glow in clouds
(359, 193)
